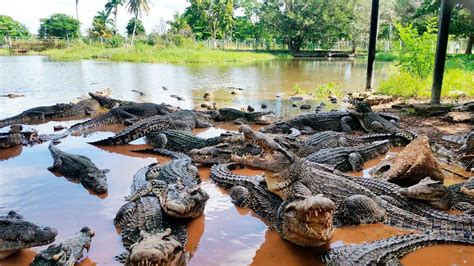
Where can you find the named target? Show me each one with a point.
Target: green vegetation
(137, 8)
(12, 28)
(4, 51)
(320, 92)
(135, 27)
(461, 61)
(59, 25)
(149, 54)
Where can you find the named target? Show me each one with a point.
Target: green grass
(386, 57)
(4, 51)
(460, 61)
(149, 54)
(457, 83)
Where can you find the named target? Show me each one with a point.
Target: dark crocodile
(230, 114)
(305, 222)
(333, 139)
(222, 153)
(16, 233)
(39, 114)
(350, 158)
(314, 122)
(149, 235)
(441, 197)
(66, 253)
(176, 184)
(181, 120)
(126, 114)
(181, 141)
(80, 168)
(386, 251)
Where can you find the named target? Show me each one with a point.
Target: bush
(116, 41)
(59, 25)
(327, 90)
(12, 28)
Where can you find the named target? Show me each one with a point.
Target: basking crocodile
(314, 122)
(149, 235)
(181, 141)
(126, 114)
(305, 222)
(230, 114)
(222, 153)
(441, 197)
(332, 139)
(181, 120)
(80, 168)
(67, 252)
(83, 108)
(17, 233)
(350, 158)
(176, 184)
(386, 251)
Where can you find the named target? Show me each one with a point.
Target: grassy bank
(4, 51)
(149, 54)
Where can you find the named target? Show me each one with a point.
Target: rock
(235, 92)
(207, 96)
(460, 117)
(179, 98)
(58, 127)
(205, 105)
(164, 88)
(319, 108)
(12, 95)
(415, 162)
(294, 105)
(104, 92)
(250, 109)
(333, 99)
(464, 107)
(305, 107)
(264, 106)
(296, 98)
(378, 99)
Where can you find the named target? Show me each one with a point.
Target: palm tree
(137, 8)
(112, 6)
(77, 9)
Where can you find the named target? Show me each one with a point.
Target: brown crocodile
(305, 222)
(68, 252)
(16, 233)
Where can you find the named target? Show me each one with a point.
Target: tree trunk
(134, 29)
(354, 47)
(295, 45)
(470, 41)
(77, 9)
(115, 21)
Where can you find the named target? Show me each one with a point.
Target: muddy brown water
(225, 234)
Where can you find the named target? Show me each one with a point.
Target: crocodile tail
(222, 175)
(12, 121)
(105, 119)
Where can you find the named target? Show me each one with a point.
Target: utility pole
(442, 45)
(374, 17)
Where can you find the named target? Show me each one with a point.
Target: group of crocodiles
(303, 196)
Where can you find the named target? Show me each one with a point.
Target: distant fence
(37, 45)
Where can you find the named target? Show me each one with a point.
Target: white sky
(29, 12)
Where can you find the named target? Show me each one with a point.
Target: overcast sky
(29, 12)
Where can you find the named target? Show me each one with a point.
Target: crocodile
(177, 186)
(222, 153)
(67, 252)
(333, 139)
(181, 141)
(314, 122)
(16, 233)
(149, 235)
(18, 135)
(350, 158)
(43, 114)
(79, 167)
(181, 120)
(305, 222)
(441, 197)
(230, 114)
(386, 251)
(126, 114)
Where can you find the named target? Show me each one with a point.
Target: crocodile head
(274, 157)
(279, 127)
(361, 107)
(157, 249)
(222, 153)
(427, 190)
(104, 101)
(97, 181)
(16, 234)
(307, 222)
(181, 201)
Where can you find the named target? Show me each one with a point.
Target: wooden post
(441, 46)
(374, 16)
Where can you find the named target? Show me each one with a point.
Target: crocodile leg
(345, 124)
(37, 115)
(57, 163)
(356, 161)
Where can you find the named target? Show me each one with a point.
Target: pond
(225, 234)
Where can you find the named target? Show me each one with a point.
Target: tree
(59, 25)
(179, 25)
(12, 28)
(112, 7)
(135, 27)
(137, 8)
(299, 22)
(102, 26)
